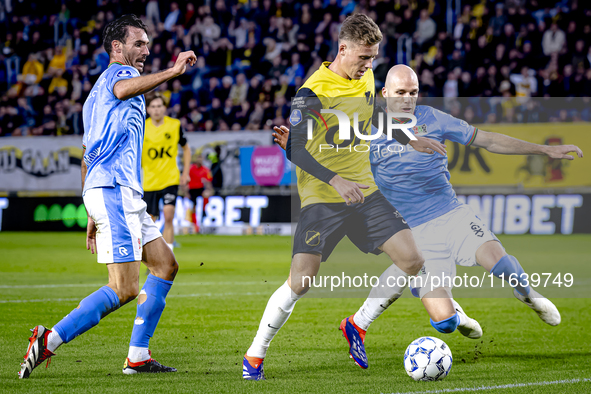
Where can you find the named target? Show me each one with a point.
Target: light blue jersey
(417, 184)
(113, 133)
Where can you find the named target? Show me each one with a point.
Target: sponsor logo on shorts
(477, 229)
(169, 198)
(397, 215)
(123, 251)
(312, 238)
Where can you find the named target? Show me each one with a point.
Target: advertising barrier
(265, 166)
(69, 214)
(43, 164)
(504, 214)
(470, 166)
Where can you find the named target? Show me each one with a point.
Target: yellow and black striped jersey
(322, 155)
(159, 154)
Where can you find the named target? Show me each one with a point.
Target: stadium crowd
(253, 55)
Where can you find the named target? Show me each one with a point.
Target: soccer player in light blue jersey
(119, 228)
(447, 231)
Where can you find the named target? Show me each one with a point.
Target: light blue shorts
(123, 225)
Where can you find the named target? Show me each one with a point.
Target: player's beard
(135, 61)
(140, 62)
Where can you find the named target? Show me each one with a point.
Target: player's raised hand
(428, 145)
(91, 236)
(281, 135)
(348, 190)
(560, 151)
(184, 58)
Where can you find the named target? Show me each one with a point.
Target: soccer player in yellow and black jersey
(337, 190)
(162, 177)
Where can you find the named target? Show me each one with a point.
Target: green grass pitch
(214, 308)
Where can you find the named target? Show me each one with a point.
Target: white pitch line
(502, 386)
(169, 296)
(51, 286)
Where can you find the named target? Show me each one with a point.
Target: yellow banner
(475, 166)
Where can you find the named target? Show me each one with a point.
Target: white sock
(276, 313)
(171, 246)
(137, 354)
(382, 296)
(54, 341)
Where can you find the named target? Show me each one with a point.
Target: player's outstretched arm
(128, 88)
(505, 145)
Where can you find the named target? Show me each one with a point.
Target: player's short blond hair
(153, 96)
(361, 30)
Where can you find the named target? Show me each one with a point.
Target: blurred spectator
(579, 55)
(32, 70)
(426, 29)
(450, 87)
(173, 16)
(217, 176)
(259, 52)
(554, 40)
(199, 185)
(58, 62)
(525, 83)
(224, 90)
(498, 21)
(153, 12)
(239, 90)
(295, 70)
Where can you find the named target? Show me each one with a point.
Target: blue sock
(446, 326)
(149, 312)
(87, 315)
(509, 267)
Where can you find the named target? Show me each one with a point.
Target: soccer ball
(427, 358)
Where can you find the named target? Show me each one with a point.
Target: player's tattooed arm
(505, 145)
(128, 88)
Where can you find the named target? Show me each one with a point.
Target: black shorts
(196, 193)
(153, 198)
(368, 225)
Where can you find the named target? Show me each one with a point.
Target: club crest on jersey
(123, 73)
(296, 117)
(420, 129)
